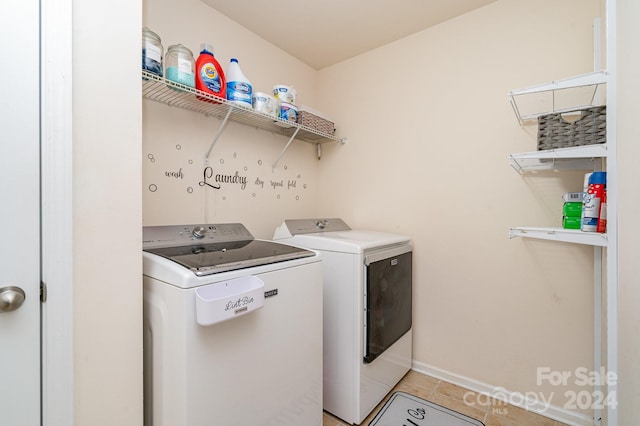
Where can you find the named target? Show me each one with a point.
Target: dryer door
(387, 300)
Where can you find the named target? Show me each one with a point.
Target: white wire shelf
(575, 236)
(586, 157)
(178, 95)
(558, 96)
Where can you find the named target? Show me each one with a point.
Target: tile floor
(453, 397)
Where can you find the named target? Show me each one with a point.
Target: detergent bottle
(239, 88)
(210, 77)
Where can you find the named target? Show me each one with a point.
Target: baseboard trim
(514, 398)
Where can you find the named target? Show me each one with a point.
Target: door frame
(56, 142)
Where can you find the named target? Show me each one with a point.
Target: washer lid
(208, 259)
(208, 249)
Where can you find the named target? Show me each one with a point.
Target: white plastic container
(230, 299)
(288, 112)
(265, 103)
(239, 87)
(285, 93)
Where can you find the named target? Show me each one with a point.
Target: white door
(20, 214)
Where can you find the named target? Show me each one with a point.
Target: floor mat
(409, 410)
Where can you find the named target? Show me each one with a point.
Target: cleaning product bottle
(210, 77)
(238, 86)
(594, 206)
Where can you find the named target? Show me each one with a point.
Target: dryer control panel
(308, 226)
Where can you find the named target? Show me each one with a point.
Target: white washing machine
(367, 311)
(232, 329)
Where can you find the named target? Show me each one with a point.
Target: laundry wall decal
(175, 174)
(208, 174)
(235, 179)
(232, 176)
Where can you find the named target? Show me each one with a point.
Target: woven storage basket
(318, 123)
(555, 132)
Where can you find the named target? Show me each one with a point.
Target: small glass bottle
(180, 65)
(151, 52)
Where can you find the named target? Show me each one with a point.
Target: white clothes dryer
(232, 329)
(367, 311)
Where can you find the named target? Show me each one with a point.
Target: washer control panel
(184, 235)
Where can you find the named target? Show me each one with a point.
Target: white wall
(176, 140)
(628, 206)
(430, 129)
(107, 214)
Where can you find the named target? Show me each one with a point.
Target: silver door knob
(11, 298)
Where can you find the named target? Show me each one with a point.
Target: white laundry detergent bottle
(239, 88)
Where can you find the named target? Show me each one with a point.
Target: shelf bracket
(218, 133)
(273, 166)
(516, 166)
(516, 110)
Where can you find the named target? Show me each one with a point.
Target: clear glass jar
(151, 52)
(180, 65)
